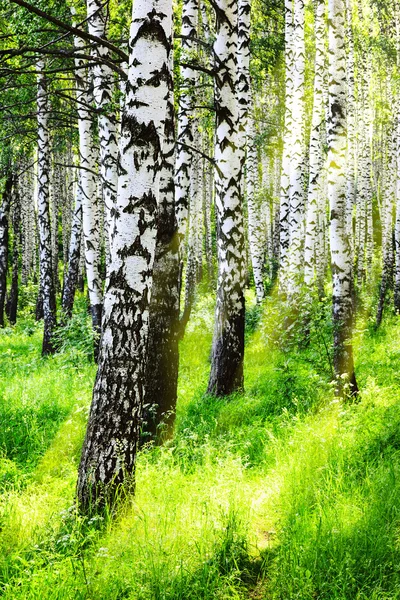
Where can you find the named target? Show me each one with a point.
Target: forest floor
(278, 493)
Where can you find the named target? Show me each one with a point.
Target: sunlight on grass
(280, 492)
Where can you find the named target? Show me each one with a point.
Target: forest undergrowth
(280, 492)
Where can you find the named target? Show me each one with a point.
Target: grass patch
(277, 493)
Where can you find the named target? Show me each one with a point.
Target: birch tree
(4, 227)
(48, 297)
(103, 92)
(110, 446)
(226, 374)
(341, 264)
(88, 183)
(315, 189)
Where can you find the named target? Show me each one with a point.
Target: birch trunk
(104, 91)
(47, 290)
(315, 190)
(88, 183)
(71, 278)
(287, 144)
(297, 165)
(16, 223)
(161, 377)
(4, 226)
(228, 343)
(110, 446)
(184, 156)
(341, 263)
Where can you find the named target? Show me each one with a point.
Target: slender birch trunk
(88, 183)
(315, 190)
(47, 290)
(16, 224)
(4, 226)
(298, 158)
(110, 447)
(71, 277)
(256, 223)
(184, 156)
(351, 127)
(387, 228)
(228, 343)
(341, 264)
(397, 221)
(287, 144)
(103, 92)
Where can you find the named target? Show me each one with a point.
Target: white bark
(109, 451)
(315, 190)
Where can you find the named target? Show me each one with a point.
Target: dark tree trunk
(161, 376)
(71, 277)
(4, 215)
(39, 305)
(16, 221)
(387, 276)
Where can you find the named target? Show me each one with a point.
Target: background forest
(199, 298)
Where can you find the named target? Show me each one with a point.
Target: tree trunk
(71, 278)
(315, 191)
(340, 248)
(47, 294)
(161, 375)
(226, 374)
(297, 160)
(256, 224)
(88, 183)
(110, 446)
(287, 146)
(103, 92)
(184, 156)
(16, 222)
(4, 216)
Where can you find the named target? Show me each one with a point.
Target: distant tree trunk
(256, 223)
(88, 182)
(16, 222)
(47, 291)
(55, 201)
(387, 242)
(287, 145)
(226, 374)
(112, 437)
(67, 209)
(4, 217)
(184, 156)
(28, 222)
(192, 266)
(341, 263)
(298, 156)
(208, 188)
(103, 92)
(71, 278)
(397, 221)
(316, 149)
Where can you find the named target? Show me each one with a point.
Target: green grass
(278, 493)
